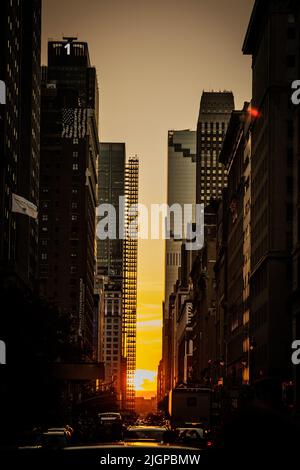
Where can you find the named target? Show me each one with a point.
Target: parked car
(148, 434)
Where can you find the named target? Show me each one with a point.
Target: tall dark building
(214, 114)
(68, 184)
(111, 186)
(271, 40)
(294, 149)
(20, 37)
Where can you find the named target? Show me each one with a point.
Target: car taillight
(209, 443)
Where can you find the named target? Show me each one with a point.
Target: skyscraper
(181, 190)
(111, 186)
(68, 186)
(214, 115)
(20, 37)
(130, 255)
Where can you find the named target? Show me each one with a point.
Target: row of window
(45, 190)
(214, 172)
(208, 191)
(173, 259)
(44, 256)
(212, 125)
(214, 139)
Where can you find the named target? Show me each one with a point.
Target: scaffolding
(130, 251)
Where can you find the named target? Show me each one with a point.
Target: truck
(190, 406)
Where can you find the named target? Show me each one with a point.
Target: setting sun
(145, 380)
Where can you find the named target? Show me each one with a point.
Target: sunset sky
(153, 59)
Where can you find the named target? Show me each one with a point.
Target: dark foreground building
(68, 186)
(20, 38)
(272, 40)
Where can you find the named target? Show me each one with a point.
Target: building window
(44, 256)
(74, 205)
(44, 218)
(75, 154)
(191, 402)
(74, 218)
(75, 166)
(291, 61)
(291, 33)
(291, 19)
(75, 141)
(289, 212)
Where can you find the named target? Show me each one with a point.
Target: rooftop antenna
(70, 38)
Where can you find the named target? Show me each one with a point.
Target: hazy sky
(153, 59)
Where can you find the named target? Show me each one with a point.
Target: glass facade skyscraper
(181, 190)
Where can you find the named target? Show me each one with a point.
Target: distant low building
(143, 405)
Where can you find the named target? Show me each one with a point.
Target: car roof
(146, 428)
(122, 445)
(190, 429)
(54, 433)
(59, 428)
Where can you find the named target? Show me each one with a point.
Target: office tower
(181, 190)
(20, 38)
(111, 187)
(130, 255)
(271, 41)
(68, 185)
(214, 114)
